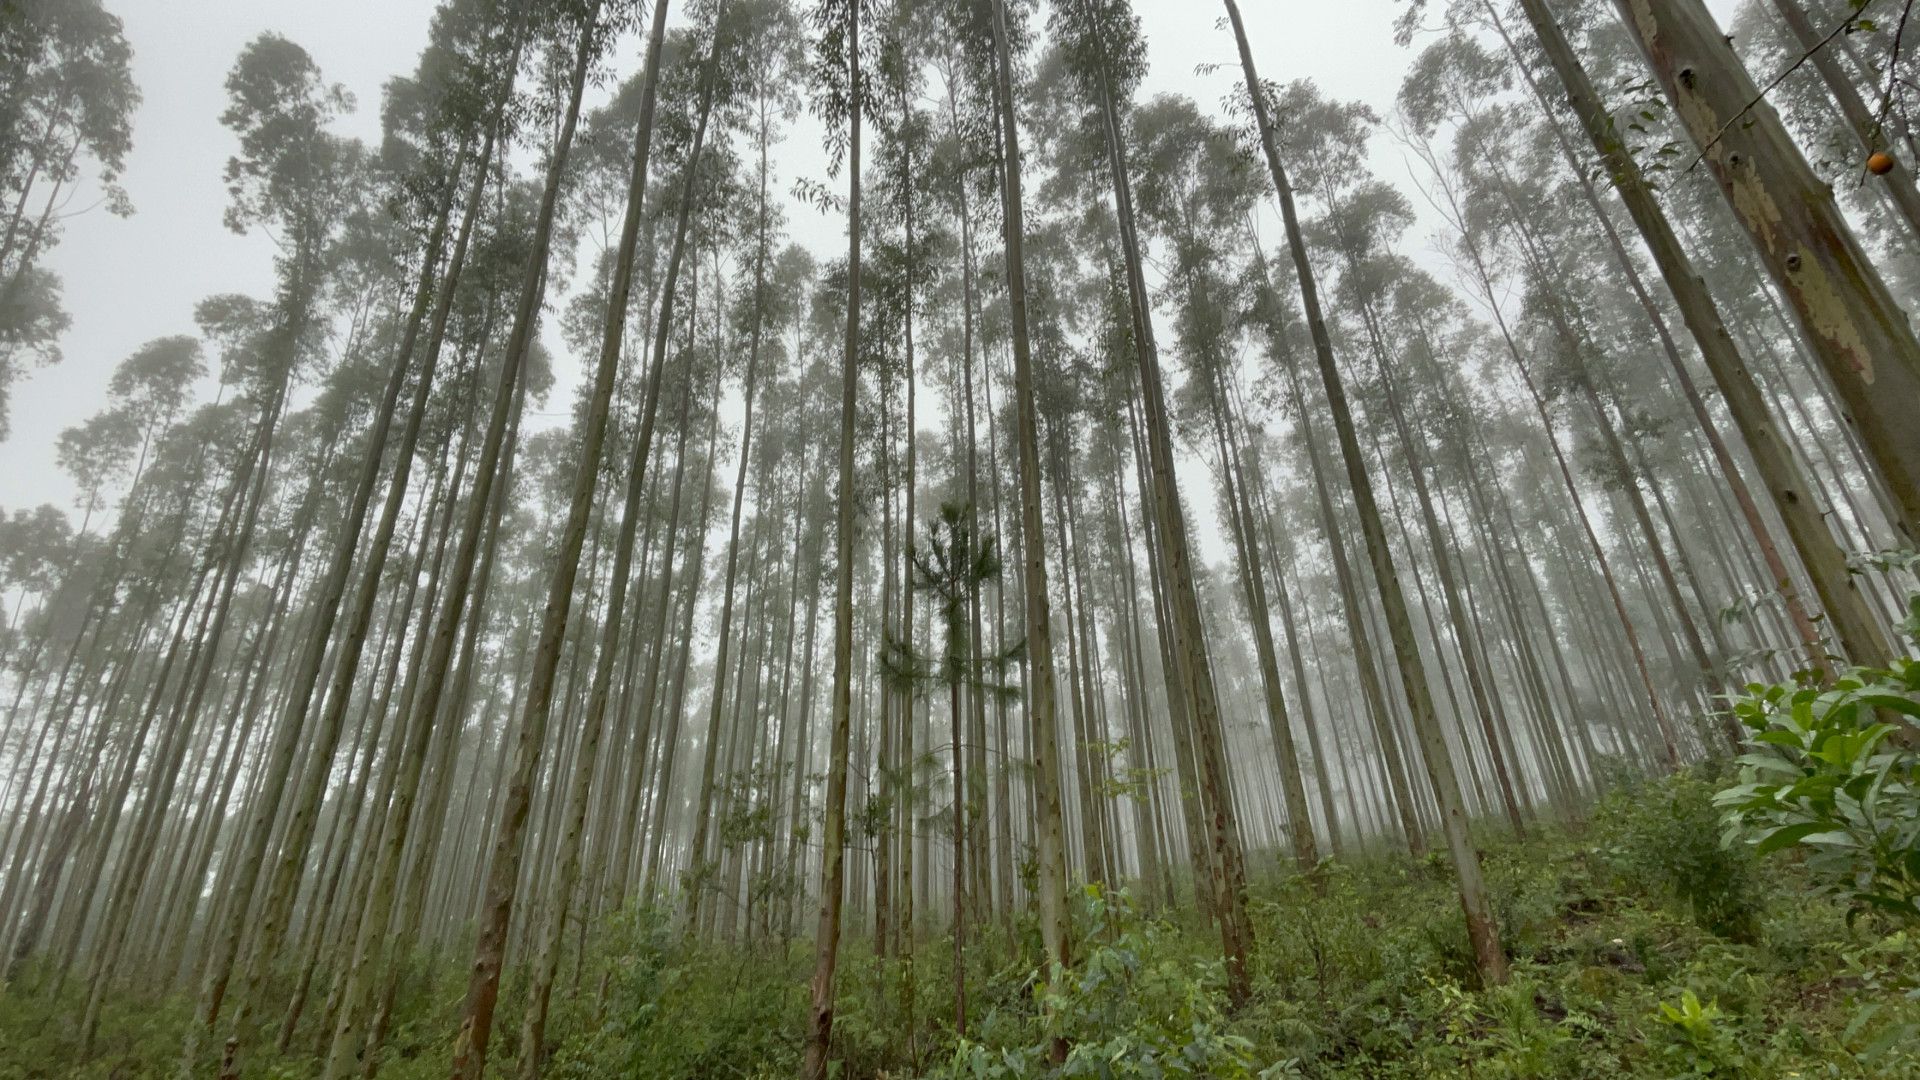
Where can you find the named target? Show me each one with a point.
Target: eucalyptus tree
(990, 39)
(1576, 360)
(1404, 305)
(1792, 493)
(842, 98)
(51, 558)
(1196, 191)
(592, 24)
(431, 123)
(910, 246)
(67, 98)
(692, 574)
(1871, 129)
(1271, 313)
(493, 263)
(145, 396)
(66, 87)
(95, 453)
(1488, 954)
(956, 168)
(148, 391)
(1858, 334)
(1104, 53)
(216, 765)
(711, 205)
(504, 876)
(295, 177)
(144, 399)
(766, 49)
(171, 514)
(701, 385)
(33, 544)
(1107, 455)
(1363, 221)
(575, 34)
(152, 386)
(1068, 378)
(792, 450)
(1478, 261)
(35, 547)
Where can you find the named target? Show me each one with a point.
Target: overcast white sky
(130, 280)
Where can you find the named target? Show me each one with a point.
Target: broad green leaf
(1786, 837)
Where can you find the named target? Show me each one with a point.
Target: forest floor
(1640, 949)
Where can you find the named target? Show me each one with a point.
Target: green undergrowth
(1641, 947)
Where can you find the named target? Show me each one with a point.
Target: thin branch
(1893, 71)
(1844, 26)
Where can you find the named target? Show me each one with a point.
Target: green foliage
(1666, 836)
(1697, 1042)
(1881, 1033)
(1365, 971)
(1832, 775)
(1361, 969)
(1888, 561)
(39, 1035)
(1138, 1003)
(674, 1010)
(1360, 972)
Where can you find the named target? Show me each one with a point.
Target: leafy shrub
(40, 1036)
(1664, 835)
(676, 1011)
(1884, 1031)
(1136, 1004)
(1697, 1043)
(1828, 776)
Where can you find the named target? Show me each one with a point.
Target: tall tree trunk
(510, 841)
(1399, 789)
(1187, 632)
(470, 1045)
(1859, 632)
(692, 572)
(1488, 955)
(1051, 847)
(833, 857)
(426, 705)
(1856, 331)
(1293, 787)
(165, 768)
(1483, 277)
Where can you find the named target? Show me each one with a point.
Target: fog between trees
(1144, 493)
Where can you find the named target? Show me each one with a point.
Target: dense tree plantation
(1275, 586)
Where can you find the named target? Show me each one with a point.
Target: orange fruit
(1880, 164)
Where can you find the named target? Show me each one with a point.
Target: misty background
(130, 280)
